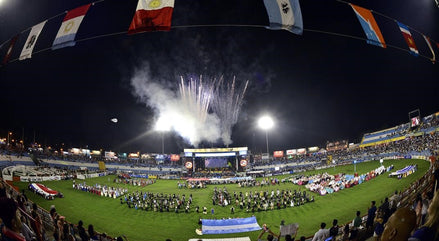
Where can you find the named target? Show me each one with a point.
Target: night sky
(317, 87)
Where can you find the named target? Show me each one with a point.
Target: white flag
(28, 47)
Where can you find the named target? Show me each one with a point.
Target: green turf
(108, 215)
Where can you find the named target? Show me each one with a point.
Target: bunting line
(234, 25)
(230, 25)
(55, 16)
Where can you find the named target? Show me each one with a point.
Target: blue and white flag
(285, 14)
(235, 225)
(369, 25)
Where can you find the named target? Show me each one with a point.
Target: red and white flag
(152, 15)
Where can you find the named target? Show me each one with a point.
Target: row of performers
(157, 202)
(261, 200)
(101, 190)
(140, 182)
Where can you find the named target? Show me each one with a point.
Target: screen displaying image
(415, 121)
(215, 162)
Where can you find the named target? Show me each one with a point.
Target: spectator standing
(322, 234)
(357, 221)
(355, 226)
(26, 230)
(379, 226)
(424, 209)
(37, 225)
(371, 216)
(81, 231)
(385, 207)
(92, 233)
(333, 231)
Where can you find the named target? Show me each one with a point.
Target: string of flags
(154, 15)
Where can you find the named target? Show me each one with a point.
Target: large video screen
(215, 162)
(415, 121)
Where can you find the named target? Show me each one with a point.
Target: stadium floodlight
(9, 134)
(162, 125)
(266, 123)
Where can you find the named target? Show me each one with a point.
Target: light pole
(266, 123)
(163, 125)
(9, 134)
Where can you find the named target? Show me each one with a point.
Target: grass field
(108, 215)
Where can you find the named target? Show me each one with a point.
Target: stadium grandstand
(412, 140)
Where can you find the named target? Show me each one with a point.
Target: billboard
(313, 149)
(233, 149)
(301, 151)
(278, 154)
(292, 152)
(337, 145)
(110, 155)
(175, 157)
(160, 157)
(145, 156)
(85, 152)
(265, 156)
(133, 155)
(75, 151)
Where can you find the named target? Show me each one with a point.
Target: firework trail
(196, 96)
(226, 104)
(199, 110)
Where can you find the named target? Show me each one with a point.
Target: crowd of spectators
(425, 144)
(21, 219)
(410, 215)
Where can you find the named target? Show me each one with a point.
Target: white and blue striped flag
(285, 14)
(234, 225)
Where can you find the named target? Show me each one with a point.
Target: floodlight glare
(163, 124)
(265, 122)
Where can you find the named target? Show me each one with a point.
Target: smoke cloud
(180, 113)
